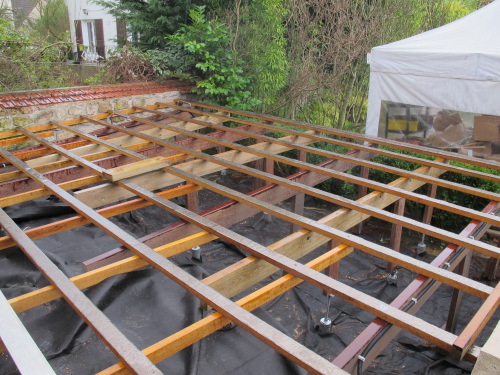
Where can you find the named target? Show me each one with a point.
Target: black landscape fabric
(147, 307)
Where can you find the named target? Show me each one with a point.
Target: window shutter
(121, 32)
(99, 36)
(79, 38)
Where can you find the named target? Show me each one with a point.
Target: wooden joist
(133, 162)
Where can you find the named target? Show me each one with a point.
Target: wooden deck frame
(139, 173)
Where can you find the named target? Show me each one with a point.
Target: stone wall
(39, 107)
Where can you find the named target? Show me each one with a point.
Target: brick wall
(40, 106)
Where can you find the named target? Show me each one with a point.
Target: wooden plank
(122, 141)
(263, 331)
(396, 232)
(137, 168)
(299, 199)
(336, 141)
(457, 295)
(347, 203)
(189, 335)
(13, 141)
(362, 191)
(49, 293)
(111, 193)
(347, 359)
(353, 135)
(410, 323)
(423, 328)
(69, 185)
(362, 162)
(449, 278)
(471, 332)
(21, 346)
(109, 161)
(358, 180)
(114, 338)
(97, 140)
(236, 278)
(226, 214)
(79, 220)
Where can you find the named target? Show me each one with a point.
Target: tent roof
(468, 48)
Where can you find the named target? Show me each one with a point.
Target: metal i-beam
(350, 145)
(352, 135)
(95, 318)
(344, 176)
(265, 332)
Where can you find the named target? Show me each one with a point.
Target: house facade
(94, 31)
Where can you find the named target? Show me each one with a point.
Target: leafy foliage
(258, 34)
(53, 24)
(149, 21)
(28, 61)
(219, 69)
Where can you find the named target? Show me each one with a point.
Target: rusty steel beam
(263, 331)
(114, 338)
(344, 176)
(349, 356)
(352, 135)
(350, 145)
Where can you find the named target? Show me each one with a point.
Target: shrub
(218, 69)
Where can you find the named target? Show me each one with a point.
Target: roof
(468, 48)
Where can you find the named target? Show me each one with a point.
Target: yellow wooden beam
(136, 168)
(196, 331)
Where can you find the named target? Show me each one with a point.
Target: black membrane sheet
(147, 307)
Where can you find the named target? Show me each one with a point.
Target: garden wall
(41, 106)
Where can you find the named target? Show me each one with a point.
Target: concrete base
(488, 362)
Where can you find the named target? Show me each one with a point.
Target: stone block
(139, 102)
(21, 121)
(120, 104)
(104, 107)
(76, 111)
(26, 110)
(4, 122)
(46, 116)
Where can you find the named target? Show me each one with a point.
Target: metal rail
(459, 345)
(268, 334)
(306, 166)
(422, 328)
(320, 138)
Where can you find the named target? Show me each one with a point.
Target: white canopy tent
(455, 67)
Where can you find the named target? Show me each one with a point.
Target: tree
(30, 62)
(53, 24)
(149, 21)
